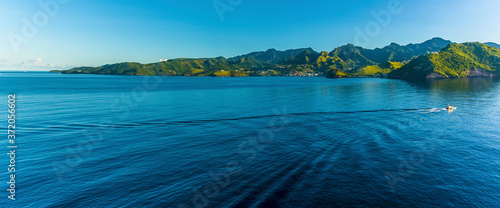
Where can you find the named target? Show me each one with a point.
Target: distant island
(433, 59)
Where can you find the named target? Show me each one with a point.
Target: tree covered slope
(271, 56)
(453, 61)
(187, 67)
(348, 59)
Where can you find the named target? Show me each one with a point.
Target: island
(433, 59)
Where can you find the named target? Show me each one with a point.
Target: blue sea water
(123, 141)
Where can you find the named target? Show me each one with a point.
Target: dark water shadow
(464, 85)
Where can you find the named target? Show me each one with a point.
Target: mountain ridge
(492, 44)
(346, 60)
(271, 56)
(471, 59)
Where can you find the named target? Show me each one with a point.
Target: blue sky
(98, 32)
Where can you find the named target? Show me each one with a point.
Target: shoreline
(353, 77)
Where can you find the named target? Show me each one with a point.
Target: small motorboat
(450, 108)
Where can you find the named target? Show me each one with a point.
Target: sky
(60, 34)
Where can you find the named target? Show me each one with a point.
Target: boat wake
(202, 121)
(162, 122)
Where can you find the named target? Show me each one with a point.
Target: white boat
(450, 108)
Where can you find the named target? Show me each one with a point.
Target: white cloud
(30, 65)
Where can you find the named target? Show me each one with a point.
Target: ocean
(132, 141)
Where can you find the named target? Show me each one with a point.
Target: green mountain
(358, 61)
(380, 69)
(354, 60)
(307, 56)
(350, 59)
(337, 73)
(358, 57)
(453, 61)
(398, 53)
(271, 56)
(187, 67)
(492, 44)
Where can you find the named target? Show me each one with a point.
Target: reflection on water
(466, 84)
